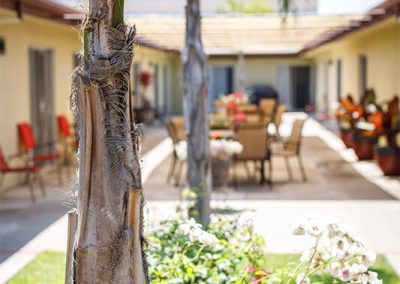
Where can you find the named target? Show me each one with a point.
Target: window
(339, 78)
(362, 63)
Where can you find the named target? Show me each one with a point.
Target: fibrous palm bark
(106, 227)
(195, 110)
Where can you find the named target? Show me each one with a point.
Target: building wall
(19, 36)
(146, 58)
(381, 46)
(263, 70)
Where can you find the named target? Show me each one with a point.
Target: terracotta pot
(220, 172)
(345, 134)
(363, 146)
(388, 159)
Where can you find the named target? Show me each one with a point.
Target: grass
(48, 268)
(382, 267)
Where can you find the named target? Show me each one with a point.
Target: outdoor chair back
(253, 137)
(293, 142)
(278, 117)
(278, 114)
(291, 148)
(27, 140)
(175, 131)
(171, 131)
(178, 123)
(63, 126)
(36, 153)
(267, 107)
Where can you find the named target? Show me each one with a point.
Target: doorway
(42, 95)
(221, 83)
(301, 86)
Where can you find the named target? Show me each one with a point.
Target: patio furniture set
(33, 157)
(372, 130)
(254, 127)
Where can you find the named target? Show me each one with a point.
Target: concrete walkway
(375, 221)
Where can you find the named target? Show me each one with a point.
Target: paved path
(377, 222)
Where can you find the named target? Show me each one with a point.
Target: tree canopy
(250, 7)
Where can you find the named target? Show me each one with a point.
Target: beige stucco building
(310, 60)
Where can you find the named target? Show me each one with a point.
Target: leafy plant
(182, 251)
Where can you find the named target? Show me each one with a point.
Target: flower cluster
(182, 251)
(195, 233)
(237, 98)
(335, 251)
(220, 149)
(224, 149)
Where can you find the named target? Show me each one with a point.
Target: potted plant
(364, 137)
(347, 115)
(387, 153)
(222, 151)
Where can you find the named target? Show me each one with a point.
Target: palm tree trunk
(195, 110)
(108, 221)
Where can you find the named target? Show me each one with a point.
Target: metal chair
(67, 138)
(267, 107)
(175, 129)
(254, 138)
(291, 148)
(277, 120)
(34, 152)
(32, 173)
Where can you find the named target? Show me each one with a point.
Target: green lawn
(48, 268)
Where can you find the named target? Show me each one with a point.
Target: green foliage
(251, 7)
(180, 251)
(47, 268)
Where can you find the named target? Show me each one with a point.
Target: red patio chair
(28, 145)
(32, 173)
(67, 138)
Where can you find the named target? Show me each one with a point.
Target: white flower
(190, 226)
(334, 269)
(245, 220)
(225, 148)
(368, 258)
(357, 269)
(345, 274)
(299, 230)
(315, 229)
(373, 278)
(302, 279)
(195, 232)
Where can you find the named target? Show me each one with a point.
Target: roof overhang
(41, 8)
(374, 16)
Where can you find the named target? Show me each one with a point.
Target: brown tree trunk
(195, 110)
(107, 246)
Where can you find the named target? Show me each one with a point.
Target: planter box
(388, 159)
(363, 146)
(220, 172)
(345, 135)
